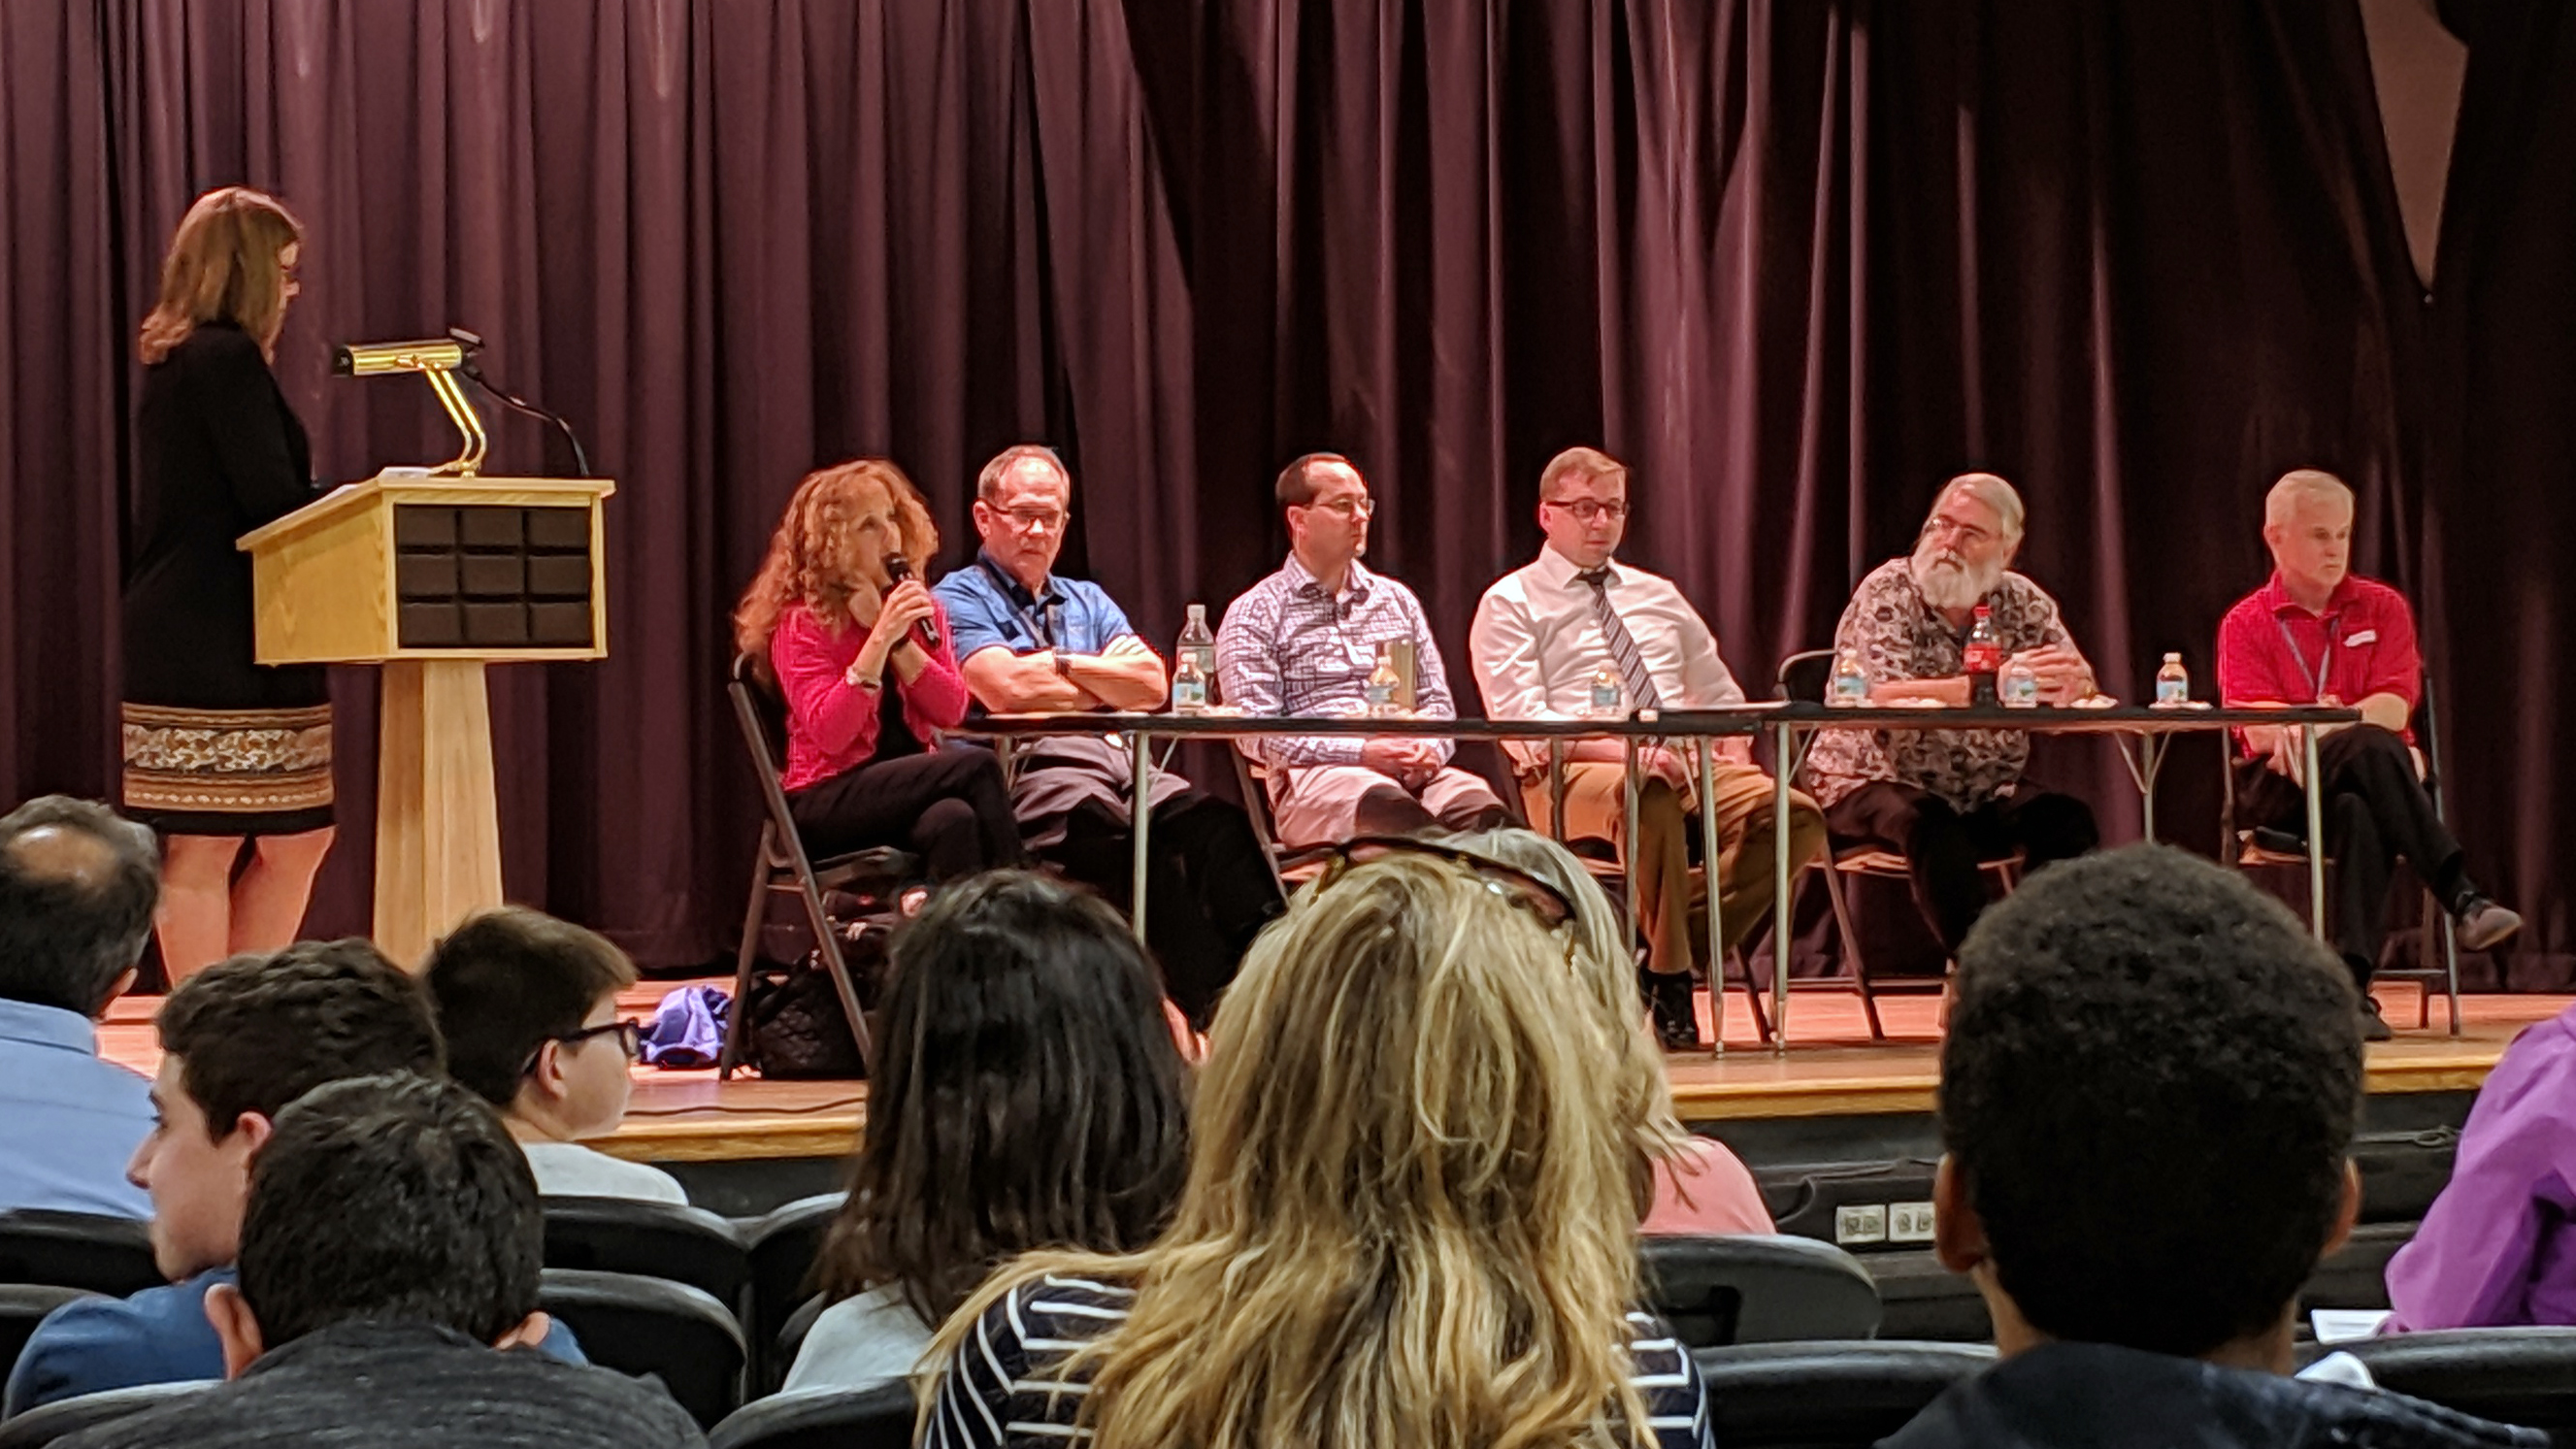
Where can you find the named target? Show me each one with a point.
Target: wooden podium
(434, 578)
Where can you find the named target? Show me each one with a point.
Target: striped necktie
(1623, 645)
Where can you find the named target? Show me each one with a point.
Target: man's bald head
(78, 886)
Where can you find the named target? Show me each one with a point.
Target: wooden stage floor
(1833, 1069)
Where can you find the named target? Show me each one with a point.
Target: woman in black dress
(221, 753)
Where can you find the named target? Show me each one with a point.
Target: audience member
(2147, 1094)
(390, 1256)
(1409, 1217)
(1030, 1096)
(2496, 1249)
(528, 1006)
(239, 1041)
(1698, 1186)
(77, 890)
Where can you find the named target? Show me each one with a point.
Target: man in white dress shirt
(1542, 634)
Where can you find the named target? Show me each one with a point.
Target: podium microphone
(898, 568)
(467, 344)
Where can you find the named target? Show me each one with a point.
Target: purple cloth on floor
(688, 1027)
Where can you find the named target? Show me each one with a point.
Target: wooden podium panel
(433, 578)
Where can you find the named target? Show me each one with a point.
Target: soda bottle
(2173, 684)
(1196, 642)
(1850, 687)
(1981, 658)
(2020, 686)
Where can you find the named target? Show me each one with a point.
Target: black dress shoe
(1676, 1016)
(2374, 1027)
(2484, 924)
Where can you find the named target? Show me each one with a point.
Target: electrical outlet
(1909, 1222)
(1860, 1223)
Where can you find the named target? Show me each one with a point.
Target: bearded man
(1950, 798)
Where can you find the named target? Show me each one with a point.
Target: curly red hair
(807, 562)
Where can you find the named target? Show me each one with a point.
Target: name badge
(2366, 636)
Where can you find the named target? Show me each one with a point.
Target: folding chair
(653, 1327)
(1802, 679)
(784, 1245)
(77, 1250)
(2257, 848)
(653, 1239)
(781, 867)
(877, 1418)
(1757, 1289)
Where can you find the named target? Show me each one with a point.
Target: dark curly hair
(2150, 1082)
(1029, 1095)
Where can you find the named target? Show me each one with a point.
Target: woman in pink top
(1697, 1186)
(870, 678)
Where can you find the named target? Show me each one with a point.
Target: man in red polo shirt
(2318, 635)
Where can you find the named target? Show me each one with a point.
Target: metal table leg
(2316, 832)
(1140, 821)
(1628, 842)
(1708, 873)
(1556, 789)
(1785, 757)
(2145, 763)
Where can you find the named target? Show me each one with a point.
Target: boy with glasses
(528, 1004)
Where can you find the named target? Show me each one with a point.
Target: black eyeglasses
(630, 1039)
(1516, 886)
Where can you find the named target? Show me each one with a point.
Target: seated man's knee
(1388, 810)
(943, 818)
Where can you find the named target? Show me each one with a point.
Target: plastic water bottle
(1383, 682)
(1608, 698)
(1850, 687)
(1189, 681)
(1196, 643)
(2173, 685)
(2019, 687)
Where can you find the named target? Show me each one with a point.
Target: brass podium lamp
(437, 359)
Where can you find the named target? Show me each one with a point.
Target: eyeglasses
(1588, 511)
(1348, 507)
(1517, 887)
(630, 1039)
(1964, 532)
(1041, 520)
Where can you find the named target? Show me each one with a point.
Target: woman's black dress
(216, 744)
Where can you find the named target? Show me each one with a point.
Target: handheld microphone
(898, 568)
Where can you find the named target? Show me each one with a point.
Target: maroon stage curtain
(1795, 262)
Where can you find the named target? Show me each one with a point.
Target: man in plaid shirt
(1304, 641)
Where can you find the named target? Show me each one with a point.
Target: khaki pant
(1321, 804)
(1596, 809)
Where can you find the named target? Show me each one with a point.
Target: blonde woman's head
(233, 259)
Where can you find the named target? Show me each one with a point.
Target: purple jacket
(2496, 1249)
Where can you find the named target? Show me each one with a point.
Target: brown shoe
(2484, 924)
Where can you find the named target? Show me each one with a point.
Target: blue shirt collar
(1012, 590)
(51, 1026)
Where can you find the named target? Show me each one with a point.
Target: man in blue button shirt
(78, 886)
(1030, 641)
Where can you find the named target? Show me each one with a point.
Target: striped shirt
(1288, 648)
(996, 1393)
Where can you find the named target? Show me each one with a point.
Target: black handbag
(797, 1027)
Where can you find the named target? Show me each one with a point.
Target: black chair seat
(39, 1427)
(783, 1245)
(2523, 1376)
(1827, 1395)
(652, 1239)
(877, 1418)
(77, 1250)
(653, 1327)
(1723, 1290)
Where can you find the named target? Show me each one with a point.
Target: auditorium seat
(652, 1239)
(2523, 1376)
(22, 1307)
(1726, 1290)
(1827, 1395)
(77, 1250)
(653, 1327)
(784, 1245)
(877, 1418)
(63, 1418)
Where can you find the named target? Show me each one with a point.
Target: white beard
(1947, 582)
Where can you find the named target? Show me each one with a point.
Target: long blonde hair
(806, 564)
(1406, 1220)
(223, 266)
(1607, 965)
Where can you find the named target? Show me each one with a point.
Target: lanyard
(1044, 631)
(2325, 661)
